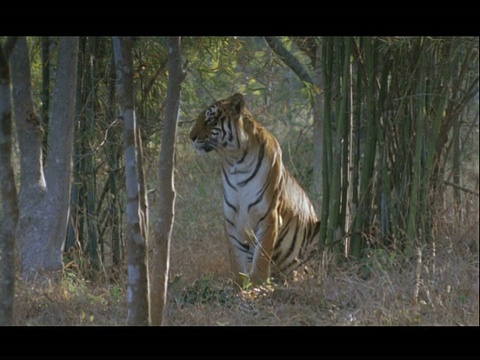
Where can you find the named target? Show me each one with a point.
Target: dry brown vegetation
(438, 287)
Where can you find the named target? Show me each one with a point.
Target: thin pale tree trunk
(163, 231)
(138, 288)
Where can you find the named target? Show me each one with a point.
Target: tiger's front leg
(266, 237)
(239, 252)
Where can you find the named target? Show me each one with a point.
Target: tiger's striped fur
(269, 219)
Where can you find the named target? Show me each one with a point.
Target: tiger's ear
(238, 103)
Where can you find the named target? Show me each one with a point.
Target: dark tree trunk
(90, 171)
(8, 192)
(45, 42)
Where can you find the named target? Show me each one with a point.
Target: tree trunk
(75, 235)
(32, 181)
(339, 145)
(361, 217)
(113, 154)
(163, 231)
(327, 67)
(138, 289)
(457, 195)
(43, 211)
(62, 120)
(8, 196)
(44, 199)
(45, 43)
(318, 122)
(89, 161)
(417, 173)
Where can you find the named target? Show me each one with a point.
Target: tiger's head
(220, 127)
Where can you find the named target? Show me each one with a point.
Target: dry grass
(381, 290)
(387, 295)
(73, 302)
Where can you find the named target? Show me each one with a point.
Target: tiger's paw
(258, 279)
(242, 281)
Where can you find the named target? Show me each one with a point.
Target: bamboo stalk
(327, 56)
(415, 197)
(370, 151)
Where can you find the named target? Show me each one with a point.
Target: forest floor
(438, 291)
(438, 286)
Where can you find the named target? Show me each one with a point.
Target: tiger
(270, 222)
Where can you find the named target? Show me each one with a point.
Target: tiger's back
(269, 220)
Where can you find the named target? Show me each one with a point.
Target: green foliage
(74, 283)
(377, 260)
(246, 282)
(218, 67)
(202, 291)
(116, 292)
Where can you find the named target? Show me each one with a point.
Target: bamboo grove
(393, 108)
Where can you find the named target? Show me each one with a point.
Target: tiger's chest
(245, 191)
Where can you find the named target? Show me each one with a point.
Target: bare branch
(289, 60)
(464, 189)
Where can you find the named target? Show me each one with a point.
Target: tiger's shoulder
(263, 136)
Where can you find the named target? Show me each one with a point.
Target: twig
(461, 188)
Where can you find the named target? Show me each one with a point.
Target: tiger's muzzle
(202, 146)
